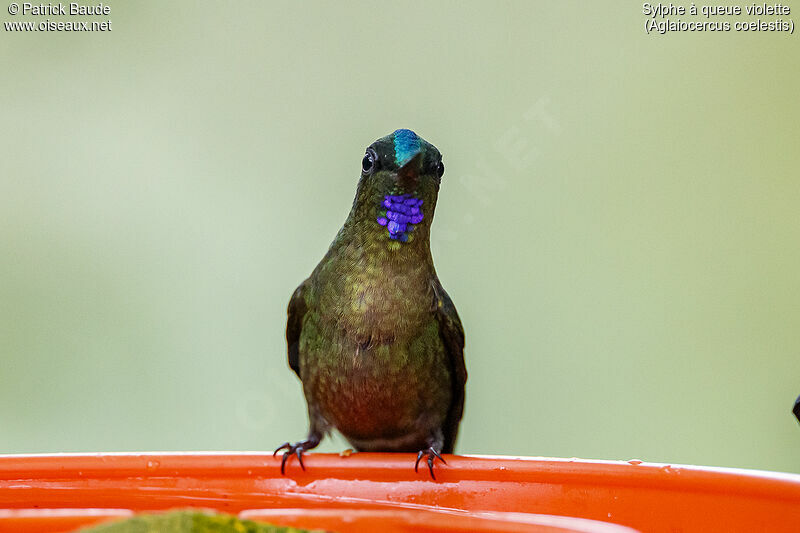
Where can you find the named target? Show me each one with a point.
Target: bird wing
(452, 334)
(296, 311)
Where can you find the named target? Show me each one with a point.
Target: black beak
(408, 174)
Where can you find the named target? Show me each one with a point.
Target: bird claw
(293, 449)
(432, 454)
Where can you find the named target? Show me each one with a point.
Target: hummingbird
(373, 336)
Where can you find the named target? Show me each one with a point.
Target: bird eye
(368, 163)
(440, 169)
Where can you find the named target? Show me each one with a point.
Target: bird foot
(297, 449)
(432, 454)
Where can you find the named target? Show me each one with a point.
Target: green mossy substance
(188, 522)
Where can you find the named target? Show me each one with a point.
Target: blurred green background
(618, 224)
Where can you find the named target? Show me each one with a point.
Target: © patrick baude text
(71, 9)
(58, 10)
(751, 18)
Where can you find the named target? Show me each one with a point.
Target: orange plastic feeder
(367, 491)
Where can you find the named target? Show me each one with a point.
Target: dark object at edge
(796, 409)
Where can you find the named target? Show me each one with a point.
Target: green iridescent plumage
(371, 333)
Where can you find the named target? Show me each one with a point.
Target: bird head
(400, 175)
